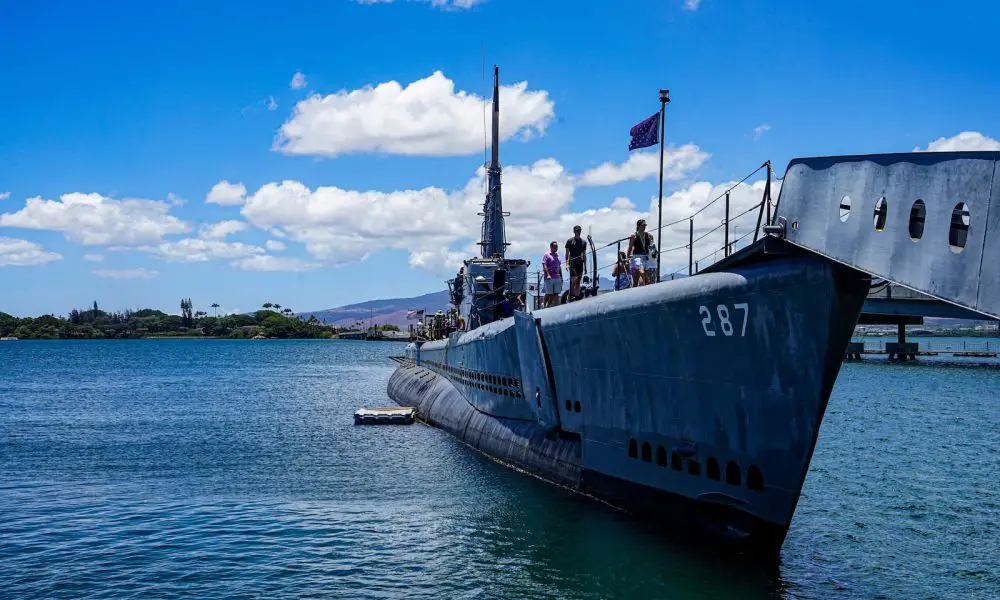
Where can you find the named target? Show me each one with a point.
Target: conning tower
(490, 286)
(493, 242)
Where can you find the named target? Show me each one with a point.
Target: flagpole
(664, 98)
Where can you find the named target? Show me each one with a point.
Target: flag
(414, 314)
(645, 134)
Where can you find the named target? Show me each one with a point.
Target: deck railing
(711, 236)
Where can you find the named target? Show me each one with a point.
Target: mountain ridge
(384, 311)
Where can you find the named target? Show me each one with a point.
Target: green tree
(215, 307)
(187, 314)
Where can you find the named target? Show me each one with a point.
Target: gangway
(927, 221)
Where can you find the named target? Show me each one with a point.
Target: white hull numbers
(725, 323)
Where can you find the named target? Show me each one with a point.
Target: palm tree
(215, 307)
(277, 307)
(267, 305)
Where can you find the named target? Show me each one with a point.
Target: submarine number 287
(724, 323)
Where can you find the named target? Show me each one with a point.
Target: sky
(317, 154)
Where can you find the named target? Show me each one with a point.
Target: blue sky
(118, 119)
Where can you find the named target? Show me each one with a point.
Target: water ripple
(169, 469)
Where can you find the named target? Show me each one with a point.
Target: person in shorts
(621, 273)
(576, 260)
(638, 252)
(552, 273)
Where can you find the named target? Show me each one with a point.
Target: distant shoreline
(201, 337)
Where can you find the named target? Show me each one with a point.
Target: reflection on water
(233, 469)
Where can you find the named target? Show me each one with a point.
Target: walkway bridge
(926, 221)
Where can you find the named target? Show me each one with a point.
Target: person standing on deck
(638, 252)
(576, 261)
(552, 272)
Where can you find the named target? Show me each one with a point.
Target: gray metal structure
(927, 220)
(493, 242)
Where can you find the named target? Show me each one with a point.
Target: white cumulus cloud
(677, 162)
(275, 245)
(95, 220)
(22, 253)
(137, 273)
(227, 194)
(298, 81)
(200, 250)
(266, 262)
(966, 140)
(691, 5)
(219, 231)
(93, 257)
(439, 228)
(428, 117)
(4, 195)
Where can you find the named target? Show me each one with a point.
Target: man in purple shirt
(552, 274)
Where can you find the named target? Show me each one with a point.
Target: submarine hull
(693, 404)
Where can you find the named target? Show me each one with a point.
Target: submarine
(693, 404)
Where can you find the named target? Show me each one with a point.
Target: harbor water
(233, 469)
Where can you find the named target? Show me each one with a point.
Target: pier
(889, 304)
(392, 415)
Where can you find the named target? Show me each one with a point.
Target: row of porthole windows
(573, 407)
(477, 380)
(755, 478)
(958, 233)
(486, 378)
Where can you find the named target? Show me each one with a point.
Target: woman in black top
(638, 251)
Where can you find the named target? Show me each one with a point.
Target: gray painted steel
(726, 375)
(534, 363)
(814, 189)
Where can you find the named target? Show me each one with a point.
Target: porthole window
(881, 212)
(647, 452)
(845, 208)
(694, 467)
(661, 456)
(755, 479)
(712, 469)
(918, 214)
(958, 235)
(569, 406)
(676, 463)
(576, 406)
(733, 473)
(633, 449)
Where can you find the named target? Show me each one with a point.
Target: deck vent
(712, 469)
(733, 473)
(676, 463)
